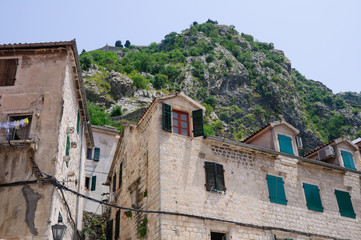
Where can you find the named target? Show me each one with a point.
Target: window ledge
(31, 141)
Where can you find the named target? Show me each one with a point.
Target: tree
(118, 43)
(127, 44)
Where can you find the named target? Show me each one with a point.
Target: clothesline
(14, 124)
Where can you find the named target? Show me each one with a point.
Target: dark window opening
(218, 236)
(8, 71)
(87, 183)
(214, 177)
(109, 230)
(117, 225)
(19, 128)
(89, 153)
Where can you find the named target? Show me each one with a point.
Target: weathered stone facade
(165, 172)
(48, 89)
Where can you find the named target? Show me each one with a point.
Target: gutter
(273, 152)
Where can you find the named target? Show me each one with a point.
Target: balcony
(11, 139)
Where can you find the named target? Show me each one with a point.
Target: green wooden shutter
(67, 145)
(285, 144)
(114, 181)
(197, 117)
(220, 178)
(210, 176)
(167, 117)
(94, 183)
(120, 174)
(78, 123)
(348, 160)
(345, 204)
(276, 190)
(96, 154)
(313, 198)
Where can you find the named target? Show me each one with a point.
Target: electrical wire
(62, 187)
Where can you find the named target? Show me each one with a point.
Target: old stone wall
(246, 199)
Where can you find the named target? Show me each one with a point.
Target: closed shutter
(348, 160)
(345, 204)
(197, 117)
(67, 145)
(89, 153)
(210, 176)
(78, 123)
(120, 174)
(8, 71)
(276, 190)
(94, 183)
(285, 144)
(167, 117)
(313, 199)
(117, 225)
(96, 154)
(114, 181)
(220, 177)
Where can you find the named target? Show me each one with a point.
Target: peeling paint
(31, 199)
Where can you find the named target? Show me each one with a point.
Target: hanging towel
(26, 121)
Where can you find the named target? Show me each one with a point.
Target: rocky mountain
(243, 83)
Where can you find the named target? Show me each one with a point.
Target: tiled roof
(316, 149)
(36, 45)
(255, 133)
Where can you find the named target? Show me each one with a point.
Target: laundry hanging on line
(14, 124)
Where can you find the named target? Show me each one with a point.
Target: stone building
(44, 135)
(98, 161)
(182, 185)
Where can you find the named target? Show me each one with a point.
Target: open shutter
(114, 181)
(197, 117)
(120, 174)
(313, 199)
(96, 154)
(348, 160)
(8, 71)
(285, 144)
(67, 145)
(220, 178)
(78, 123)
(94, 183)
(276, 190)
(167, 117)
(210, 176)
(345, 204)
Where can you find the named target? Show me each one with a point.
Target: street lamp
(58, 229)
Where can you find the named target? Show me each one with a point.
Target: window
(87, 183)
(345, 204)
(347, 158)
(178, 121)
(117, 225)
(276, 190)
(8, 71)
(96, 154)
(78, 123)
(19, 127)
(114, 182)
(285, 144)
(214, 177)
(120, 174)
(109, 230)
(313, 199)
(67, 148)
(218, 236)
(89, 153)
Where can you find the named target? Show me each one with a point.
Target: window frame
(345, 202)
(217, 176)
(179, 120)
(10, 135)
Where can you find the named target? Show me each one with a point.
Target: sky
(322, 38)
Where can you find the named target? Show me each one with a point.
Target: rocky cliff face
(244, 84)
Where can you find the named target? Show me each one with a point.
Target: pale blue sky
(322, 38)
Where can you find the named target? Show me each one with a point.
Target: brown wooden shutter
(8, 71)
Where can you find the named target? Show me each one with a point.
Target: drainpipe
(79, 181)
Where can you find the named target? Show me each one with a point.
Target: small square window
(8, 71)
(19, 128)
